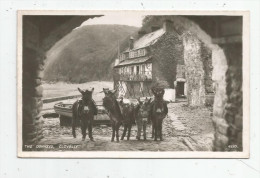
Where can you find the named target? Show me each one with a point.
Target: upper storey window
(137, 53)
(123, 56)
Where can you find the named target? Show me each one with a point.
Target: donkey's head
(158, 93)
(109, 93)
(109, 99)
(86, 95)
(144, 106)
(127, 108)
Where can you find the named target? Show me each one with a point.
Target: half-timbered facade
(148, 60)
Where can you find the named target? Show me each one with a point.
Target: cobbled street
(185, 129)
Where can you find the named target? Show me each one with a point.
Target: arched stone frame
(39, 34)
(228, 131)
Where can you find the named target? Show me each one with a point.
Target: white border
(125, 154)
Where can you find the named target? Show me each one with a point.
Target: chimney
(141, 33)
(154, 28)
(167, 26)
(131, 42)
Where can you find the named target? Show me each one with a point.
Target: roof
(148, 39)
(134, 61)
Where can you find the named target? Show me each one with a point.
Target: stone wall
(37, 39)
(206, 57)
(166, 54)
(32, 94)
(234, 106)
(33, 62)
(226, 74)
(180, 71)
(228, 102)
(194, 71)
(219, 78)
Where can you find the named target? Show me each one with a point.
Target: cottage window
(137, 70)
(132, 70)
(139, 52)
(143, 68)
(131, 54)
(126, 55)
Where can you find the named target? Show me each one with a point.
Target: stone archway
(41, 32)
(226, 55)
(213, 33)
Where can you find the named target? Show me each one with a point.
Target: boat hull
(65, 112)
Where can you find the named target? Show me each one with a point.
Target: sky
(121, 19)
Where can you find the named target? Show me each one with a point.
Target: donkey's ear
(92, 90)
(105, 90)
(81, 91)
(149, 101)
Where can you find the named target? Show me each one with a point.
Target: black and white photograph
(133, 84)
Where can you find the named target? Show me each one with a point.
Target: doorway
(180, 89)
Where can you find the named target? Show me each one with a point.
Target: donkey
(142, 114)
(158, 112)
(128, 112)
(83, 111)
(111, 105)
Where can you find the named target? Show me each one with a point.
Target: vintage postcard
(133, 84)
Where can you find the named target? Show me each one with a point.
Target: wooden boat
(64, 109)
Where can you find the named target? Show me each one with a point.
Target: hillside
(86, 54)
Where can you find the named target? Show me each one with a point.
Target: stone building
(152, 58)
(194, 71)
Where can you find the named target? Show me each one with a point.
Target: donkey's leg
(129, 131)
(139, 129)
(73, 126)
(124, 132)
(153, 129)
(144, 129)
(160, 130)
(117, 131)
(83, 129)
(113, 131)
(156, 130)
(90, 130)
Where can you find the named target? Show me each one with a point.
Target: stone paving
(184, 129)
(176, 123)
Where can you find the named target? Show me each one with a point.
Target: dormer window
(137, 53)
